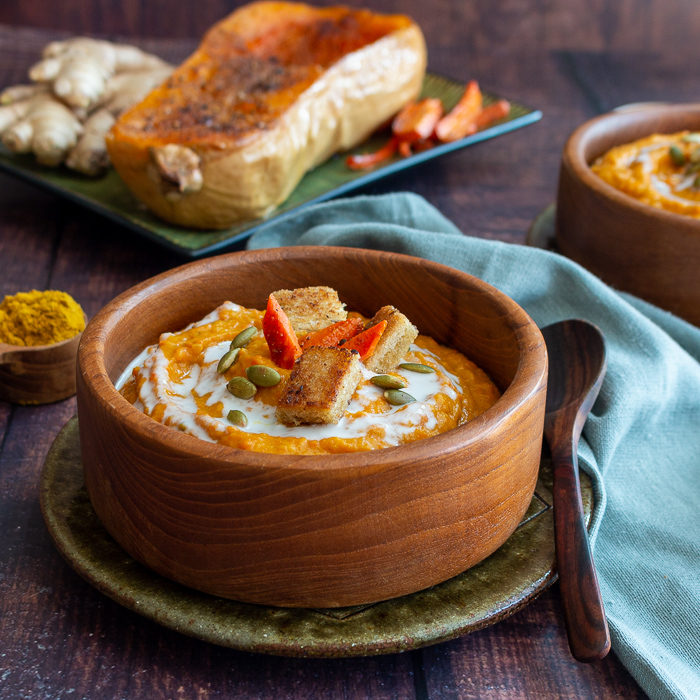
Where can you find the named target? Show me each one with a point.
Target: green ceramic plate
(109, 196)
(494, 589)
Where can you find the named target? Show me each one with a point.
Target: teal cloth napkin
(641, 443)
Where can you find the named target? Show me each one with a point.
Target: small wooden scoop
(577, 365)
(37, 374)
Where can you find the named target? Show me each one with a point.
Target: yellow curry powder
(39, 318)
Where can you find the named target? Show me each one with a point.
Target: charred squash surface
(273, 90)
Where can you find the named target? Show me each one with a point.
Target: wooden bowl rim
(528, 377)
(580, 168)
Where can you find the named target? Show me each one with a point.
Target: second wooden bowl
(650, 252)
(38, 374)
(312, 531)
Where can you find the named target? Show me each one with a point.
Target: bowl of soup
(392, 498)
(628, 205)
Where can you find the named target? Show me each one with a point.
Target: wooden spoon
(38, 374)
(577, 365)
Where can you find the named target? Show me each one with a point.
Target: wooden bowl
(314, 531)
(38, 374)
(650, 252)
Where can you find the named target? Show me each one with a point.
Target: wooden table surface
(60, 638)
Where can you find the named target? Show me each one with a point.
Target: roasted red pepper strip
(489, 114)
(331, 336)
(417, 120)
(280, 336)
(369, 160)
(366, 342)
(460, 122)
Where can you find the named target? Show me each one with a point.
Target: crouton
(320, 386)
(395, 341)
(311, 308)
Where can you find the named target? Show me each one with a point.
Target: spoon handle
(586, 626)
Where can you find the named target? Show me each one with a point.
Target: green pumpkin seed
(415, 367)
(398, 398)
(237, 418)
(226, 362)
(261, 375)
(244, 337)
(691, 138)
(241, 388)
(677, 156)
(696, 182)
(387, 381)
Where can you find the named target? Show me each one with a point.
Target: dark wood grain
(577, 365)
(627, 25)
(59, 634)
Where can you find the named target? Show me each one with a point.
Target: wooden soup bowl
(38, 374)
(650, 252)
(314, 531)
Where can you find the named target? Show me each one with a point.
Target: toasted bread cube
(395, 341)
(311, 308)
(320, 386)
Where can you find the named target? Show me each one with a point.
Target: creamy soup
(176, 382)
(662, 170)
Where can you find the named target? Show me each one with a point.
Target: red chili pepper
(366, 342)
(331, 336)
(363, 161)
(489, 114)
(280, 336)
(460, 122)
(417, 120)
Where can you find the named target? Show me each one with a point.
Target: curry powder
(39, 318)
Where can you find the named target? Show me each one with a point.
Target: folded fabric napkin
(641, 442)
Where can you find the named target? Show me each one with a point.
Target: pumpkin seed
(237, 418)
(261, 375)
(398, 398)
(677, 156)
(387, 381)
(416, 367)
(226, 362)
(691, 138)
(241, 388)
(244, 337)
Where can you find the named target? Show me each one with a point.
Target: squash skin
(273, 90)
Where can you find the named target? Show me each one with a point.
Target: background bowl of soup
(320, 530)
(632, 245)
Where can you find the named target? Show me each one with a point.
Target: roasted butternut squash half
(273, 90)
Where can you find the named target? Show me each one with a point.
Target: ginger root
(40, 124)
(79, 68)
(81, 86)
(90, 156)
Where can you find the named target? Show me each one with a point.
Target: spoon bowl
(38, 374)
(577, 365)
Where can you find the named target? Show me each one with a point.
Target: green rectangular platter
(109, 196)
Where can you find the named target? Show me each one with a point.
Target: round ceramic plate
(494, 589)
